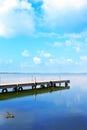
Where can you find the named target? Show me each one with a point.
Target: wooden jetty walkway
(18, 86)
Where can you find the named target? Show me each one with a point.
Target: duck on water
(9, 115)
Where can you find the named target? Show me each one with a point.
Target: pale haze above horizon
(43, 36)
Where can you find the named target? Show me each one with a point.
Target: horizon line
(43, 72)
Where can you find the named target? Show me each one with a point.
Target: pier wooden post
(66, 84)
(54, 84)
(15, 89)
(34, 86)
(59, 84)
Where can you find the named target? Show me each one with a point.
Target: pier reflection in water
(10, 95)
(32, 109)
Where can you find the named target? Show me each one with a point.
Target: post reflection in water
(10, 95)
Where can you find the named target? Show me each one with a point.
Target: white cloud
(25, 5)
(44, 54)
(7, 5)
(77, 46)
(10, 61)
(63, 5)
(78, 49)
(58, 44)
(83, 58)
(25, 53)
(66, 14)
(52, 61)
(73, 35)
(7, 61)
(70, 36)
(66, 60)
(16, 17)
(68, 42)
(19, 16)
(48, 34)
(69, 60)
(61, 61)
(86, 39)
(37, 60)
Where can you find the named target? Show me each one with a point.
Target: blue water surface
(58, 110)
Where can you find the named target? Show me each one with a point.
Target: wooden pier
(19, 86)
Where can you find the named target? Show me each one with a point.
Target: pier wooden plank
(17, 84)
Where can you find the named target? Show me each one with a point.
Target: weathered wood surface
(17, 84)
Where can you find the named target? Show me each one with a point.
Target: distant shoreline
(43, 73)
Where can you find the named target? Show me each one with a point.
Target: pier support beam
(51, 84)
(48, 85)
(42, 86)
(15, 89)
(34, 86)
(59, 84)
(66, 84)
(20, 89)
(54, 84)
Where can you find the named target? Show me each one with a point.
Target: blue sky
(43, 36)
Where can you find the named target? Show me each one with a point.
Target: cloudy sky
(43, 35)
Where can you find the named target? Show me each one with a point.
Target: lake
(64, 109)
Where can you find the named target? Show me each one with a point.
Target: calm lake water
(54, 110)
